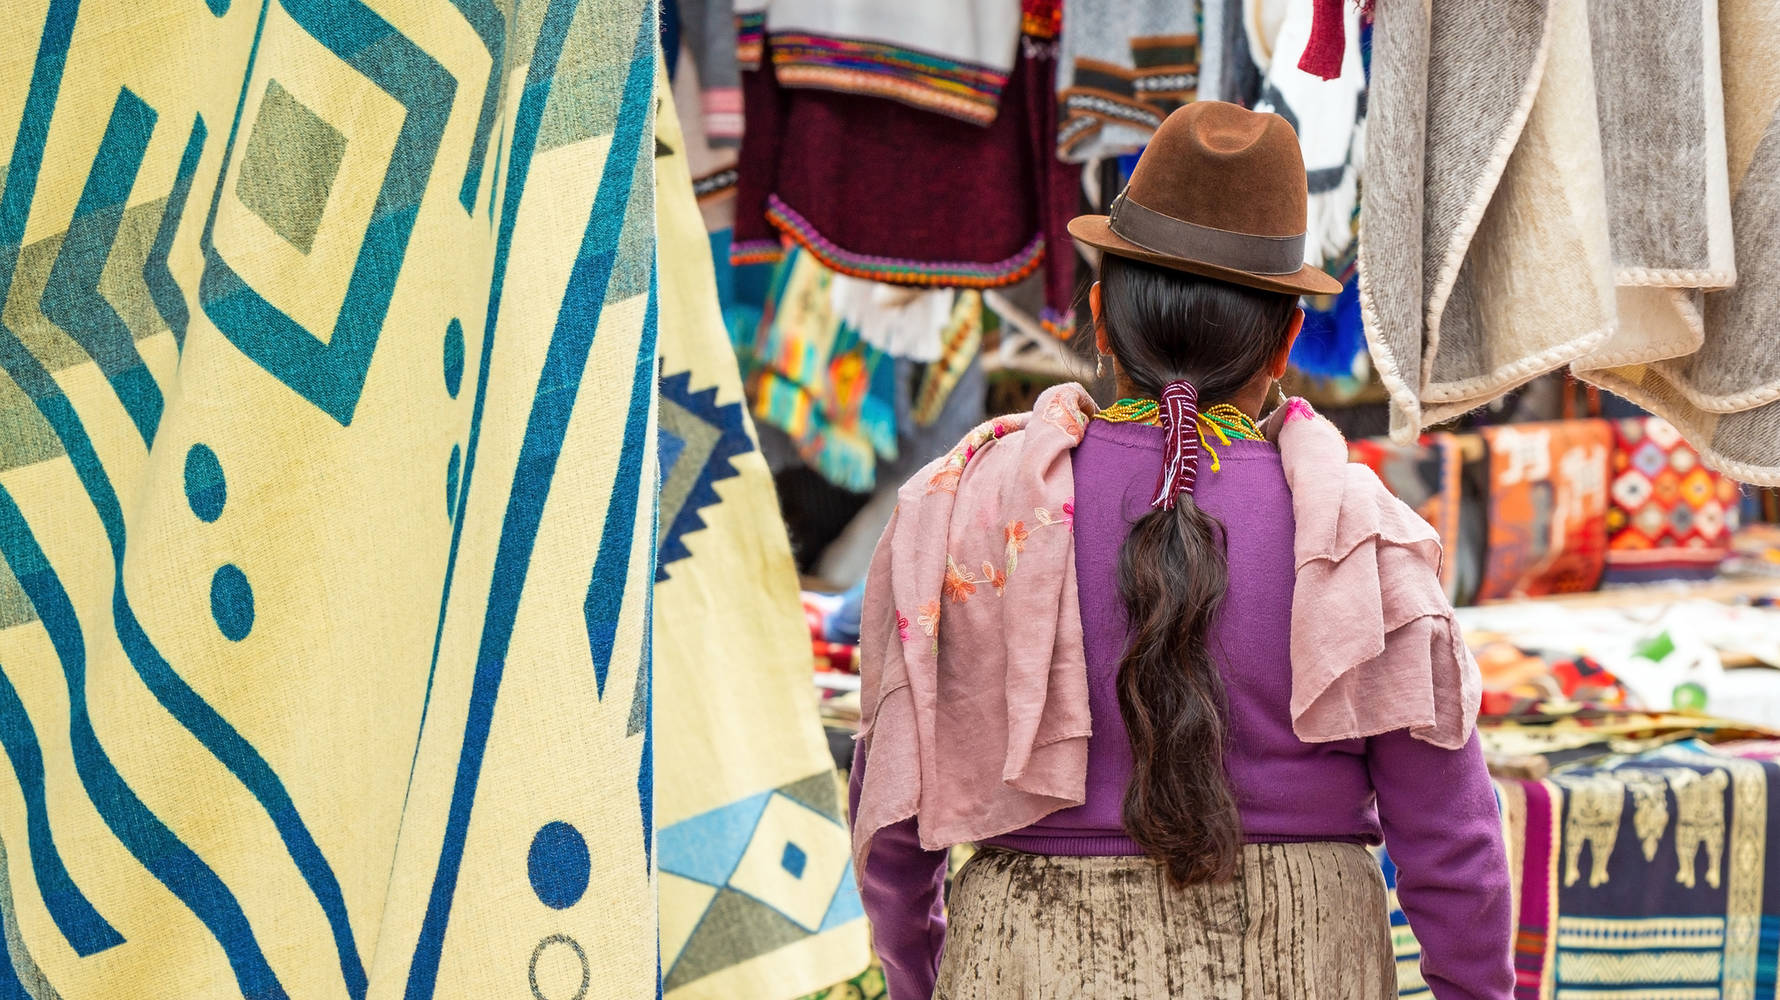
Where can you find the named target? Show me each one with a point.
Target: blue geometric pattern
(175, 525)
(791, 892)
(696, 431)
(331, 373)
(793, 860)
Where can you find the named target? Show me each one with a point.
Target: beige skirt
(1305, 921)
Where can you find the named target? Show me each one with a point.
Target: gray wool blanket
(1499, 240)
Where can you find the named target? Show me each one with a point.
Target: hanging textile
(1714, 372)
(757, 898)
(711, 157)
(820, 383)
(328, 345)
(709, 32)
(1122, 67)
(1547, 508)
(1483, 252)
(947, 56)
(1330, 119)
(881, 191)
(1671, 517)
(1518, 242)
(900, 320)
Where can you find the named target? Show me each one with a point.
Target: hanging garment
(1484, 259)
(763, 906)
(1526, 263)
(885, 192)
(1547, 508)
(1227, 67)
(1332, 342)
(1719, 377)
(326, 492)
(708, 29)
(961, 342)
(830, 391)
(1123, 66)
(901, 320)
(1330, 119)
(1668, 194)
(948, 56)
(711, 159)
(1671, 517)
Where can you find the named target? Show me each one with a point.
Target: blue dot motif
(454, 357)
(205, 488)
(559, 865)
(793, 860)
(231, 602)
(451, 470)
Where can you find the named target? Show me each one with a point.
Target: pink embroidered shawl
(981, 727)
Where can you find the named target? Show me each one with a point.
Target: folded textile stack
(1517, 682)
(1552, 507)
(1670, 516)
(1501, 241)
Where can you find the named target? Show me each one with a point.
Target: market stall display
(897, 273)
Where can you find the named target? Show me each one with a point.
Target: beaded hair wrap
(1180, 449)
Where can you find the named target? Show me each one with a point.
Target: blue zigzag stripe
(168, 299)
(565, 365)
(732, 441)
(87, 932)
(149, 841)
(71, 298)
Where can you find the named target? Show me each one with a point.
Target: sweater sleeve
(1443, 829)
(903, 890)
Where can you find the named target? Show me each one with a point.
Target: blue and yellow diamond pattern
(757, 895)
(273, 274)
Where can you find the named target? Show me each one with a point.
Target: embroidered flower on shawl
(994, 578)
(1066, 518)
(929, 618)
(1016, 534)
(946, 479)
(1066, 417)
(902, 627)
(959, 585)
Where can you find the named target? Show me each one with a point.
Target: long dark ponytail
(1163, 326)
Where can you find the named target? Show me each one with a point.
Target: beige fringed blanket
(1500, 240)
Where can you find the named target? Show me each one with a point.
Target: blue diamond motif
(793, 859)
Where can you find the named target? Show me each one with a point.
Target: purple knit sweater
(1434, 807)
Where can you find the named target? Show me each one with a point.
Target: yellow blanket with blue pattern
(757, 895)
(327, 484)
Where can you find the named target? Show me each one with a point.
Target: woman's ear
(1100, 342)
(1277, 369)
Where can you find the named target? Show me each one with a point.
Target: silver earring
(1281, 390)
(1100, 366)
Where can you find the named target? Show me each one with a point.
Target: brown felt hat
(1218, 192)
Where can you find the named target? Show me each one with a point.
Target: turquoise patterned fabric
(328, 488)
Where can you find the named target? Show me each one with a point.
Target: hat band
(1172, 237)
